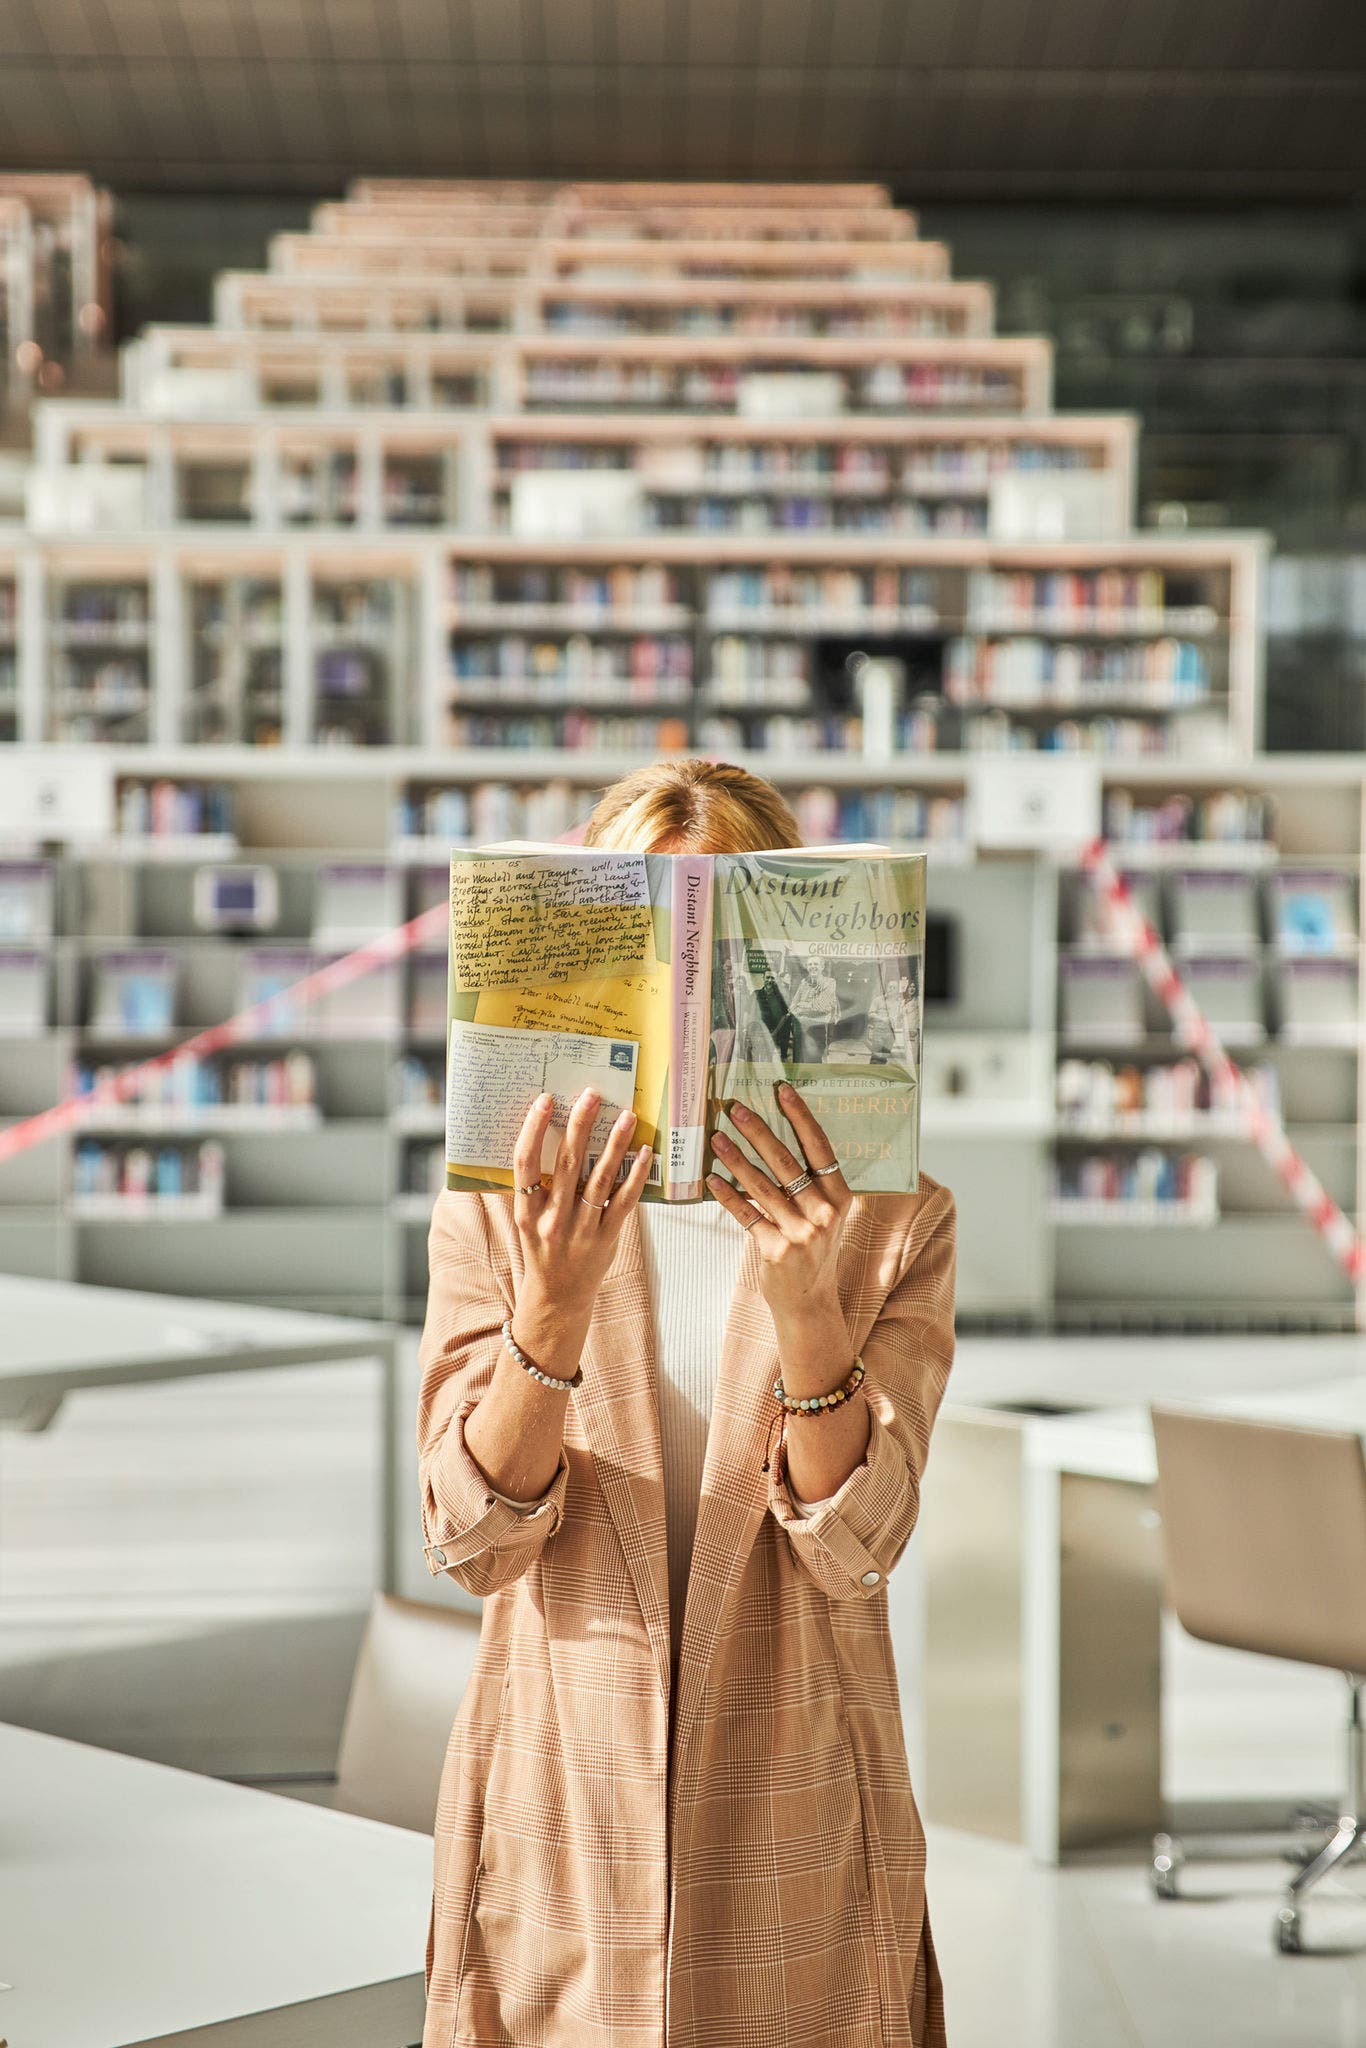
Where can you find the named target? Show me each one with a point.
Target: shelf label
(55, 799)
(1034, 802)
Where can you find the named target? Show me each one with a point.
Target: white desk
(58, 1336)
(137, 1900)
(1040, 1550)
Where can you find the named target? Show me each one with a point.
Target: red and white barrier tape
(1195, 1031)
(254, 1022)
(1192, 1028)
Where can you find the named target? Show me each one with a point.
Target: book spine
(690, 927)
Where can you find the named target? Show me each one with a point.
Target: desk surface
(136, 1900)
(59, 1335)
(1317, 1382)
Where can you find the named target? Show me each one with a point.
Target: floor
(1087, 1958)
(183, 1574)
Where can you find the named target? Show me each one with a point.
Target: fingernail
(787, 1091)
(542, 1100)
(714, 1180)
(590, 1095)
(626, 1119)
(740, 1114)
(721, 1143)
(644, 1152)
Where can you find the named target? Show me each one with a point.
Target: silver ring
(594, 1205)
(818, 1170)
(794, 1187)
(758, 1213)
(532, 1188)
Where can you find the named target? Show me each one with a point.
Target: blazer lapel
(743, 1433)
(618, 1405)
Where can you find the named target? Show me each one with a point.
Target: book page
(600, 973)
(817, 978)
(496, 1073)
(533, 920)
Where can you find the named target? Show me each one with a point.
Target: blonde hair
(692, 806)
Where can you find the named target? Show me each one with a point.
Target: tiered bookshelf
(482, 494)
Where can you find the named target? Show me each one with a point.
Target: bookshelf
(359, 1091)
(230, 635)
(480, 495)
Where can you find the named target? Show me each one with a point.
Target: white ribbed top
(692, 1260)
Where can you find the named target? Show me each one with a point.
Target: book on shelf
(678, 985)
(1314, 911)
(134, 994)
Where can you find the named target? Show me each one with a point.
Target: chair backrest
(1264, 1535)
(414, 1662)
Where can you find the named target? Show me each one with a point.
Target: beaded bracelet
(813, 1404)
(547, 1379)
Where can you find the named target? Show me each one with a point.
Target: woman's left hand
(798, 1233)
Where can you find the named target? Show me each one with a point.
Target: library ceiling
(940, 98)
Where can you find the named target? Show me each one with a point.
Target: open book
(676, 984)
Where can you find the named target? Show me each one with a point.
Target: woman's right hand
(569, 1231)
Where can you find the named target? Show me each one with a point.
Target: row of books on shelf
(1098, 1096)
(915, 731)
(165, 807)
(1306, 1001)
(943, 518)
(1296, 910)
(906, 322)
(624, 588)
(674, 465)
(485, 811)
(189, 1087)
(1164, 670)
(701, 387)
(1140, 600)
(568, 732)
(1145, 1187)
(1107, 737)
(113, 1178)
(1101, 597)
(576, 661)
(1236, 818)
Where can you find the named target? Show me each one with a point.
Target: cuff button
(438, 1557)
(871, 1578)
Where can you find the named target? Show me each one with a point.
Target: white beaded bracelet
(547, 1379)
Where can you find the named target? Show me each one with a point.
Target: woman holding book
(676, 1807)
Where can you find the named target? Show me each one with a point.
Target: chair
(1264, 1538)
(414, 1662)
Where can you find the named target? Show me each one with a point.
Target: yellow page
(633, 1006)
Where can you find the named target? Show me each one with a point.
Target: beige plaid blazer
(742, 1865)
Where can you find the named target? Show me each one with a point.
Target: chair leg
(1168, 1857)
(1351, 1831)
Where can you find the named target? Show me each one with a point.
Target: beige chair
(414, 1662)
(1264, 1536)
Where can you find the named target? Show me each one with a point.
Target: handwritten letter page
(495, 1074)
(532, 920)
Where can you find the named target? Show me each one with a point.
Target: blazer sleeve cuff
(849, 1541)
(465, 1515)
